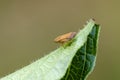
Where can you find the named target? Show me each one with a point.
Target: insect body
(65, 37)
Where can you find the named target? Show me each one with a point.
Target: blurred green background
(28, 27)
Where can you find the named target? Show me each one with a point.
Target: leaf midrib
(83, 62)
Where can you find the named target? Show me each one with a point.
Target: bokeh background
(28, 27)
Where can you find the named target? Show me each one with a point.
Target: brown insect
(65, 37)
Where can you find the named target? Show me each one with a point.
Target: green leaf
(84, 60)
(72, 61)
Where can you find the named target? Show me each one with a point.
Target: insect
(65, 37)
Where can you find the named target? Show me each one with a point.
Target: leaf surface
(84, 59)
(72, 61)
